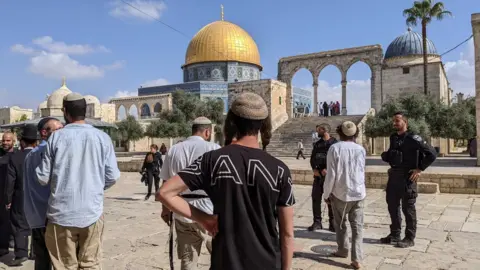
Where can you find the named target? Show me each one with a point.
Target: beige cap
(202, 121)
(349, 128)
(250, 106)
(73, 97)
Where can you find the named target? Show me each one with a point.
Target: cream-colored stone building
(402, 71)
(14, 114)
(53, 105)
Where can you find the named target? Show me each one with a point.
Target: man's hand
(415, 175)
(316, 172)
(324, 172)
(210, 223)
(327, 201)
(166, 215)
(8, 206)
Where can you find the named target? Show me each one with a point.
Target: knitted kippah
(250, 106)
(202, 121)
(349, 128)
(73, 97)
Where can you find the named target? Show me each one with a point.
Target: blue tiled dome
(408, 44)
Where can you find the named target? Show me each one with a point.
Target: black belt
(193, 196)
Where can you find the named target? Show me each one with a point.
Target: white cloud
(156, 82)
(154, 9)
(461, 73)
(19, 48)
(52, 59)
(47, 43)
(125, 93)
(358, 95)
(56, 65)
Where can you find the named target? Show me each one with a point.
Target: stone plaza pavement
(448, 235)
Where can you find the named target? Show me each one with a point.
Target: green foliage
(426, 118)
(424, 12)
(129, 130)
(22, 118)
(186, 107)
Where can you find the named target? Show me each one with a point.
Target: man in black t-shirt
(249, 189)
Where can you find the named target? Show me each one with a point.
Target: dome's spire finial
(221, 7)
(64, 81)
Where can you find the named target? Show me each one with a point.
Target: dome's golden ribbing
(222, 41)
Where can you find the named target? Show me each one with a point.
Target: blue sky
(107, 49)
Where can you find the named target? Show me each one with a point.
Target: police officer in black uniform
(318, 161)
(408, 156)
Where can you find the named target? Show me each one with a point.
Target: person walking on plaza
(318, 162)
(79, 164)
(190, 235)
(36, 196)
(344, 190)
(249, 189)
(8, 140)
(300, 149)
(151, 166)
(163, 149)
(408, 156)
(15, 194)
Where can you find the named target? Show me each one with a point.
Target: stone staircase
(285, 139)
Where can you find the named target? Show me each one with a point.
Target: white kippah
(202, 121)
(349, 128)
(250, 106)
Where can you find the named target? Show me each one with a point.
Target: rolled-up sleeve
(44, 170)
(112, 173)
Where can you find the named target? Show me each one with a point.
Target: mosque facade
(53, 104)
(219, 54)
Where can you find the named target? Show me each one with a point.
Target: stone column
(344, 96)
(376, 86)
(289, 100)
(476, 42)
(315, 97)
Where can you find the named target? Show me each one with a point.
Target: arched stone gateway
(144, 105)
(343, 59)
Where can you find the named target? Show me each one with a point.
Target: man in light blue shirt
(79, 164)
(36, 196)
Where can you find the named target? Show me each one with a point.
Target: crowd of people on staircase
(328, 109)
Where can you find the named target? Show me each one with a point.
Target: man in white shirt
(300, 149)
(344, 189)
(190, 235)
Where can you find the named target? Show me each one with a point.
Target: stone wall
(395, 82)
(448, 183)
(107, 113)
(476, 42)
(273, 92)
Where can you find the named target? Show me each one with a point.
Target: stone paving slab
(448, 234)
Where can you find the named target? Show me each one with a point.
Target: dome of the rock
(222, 41)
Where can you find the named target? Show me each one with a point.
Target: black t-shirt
(245, 185)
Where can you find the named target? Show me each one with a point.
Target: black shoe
(147, 197)
(405, 243)
(331, 228)
(315, 226)
(390, 239)
(18, 261)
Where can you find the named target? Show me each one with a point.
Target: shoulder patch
(417, 138)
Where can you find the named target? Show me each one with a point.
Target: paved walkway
(448, 234)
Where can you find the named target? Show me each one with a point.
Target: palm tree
(423, 12)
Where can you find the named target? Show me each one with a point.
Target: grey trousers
(354, 212)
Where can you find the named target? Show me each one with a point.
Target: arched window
(157, 109)
(145, 111)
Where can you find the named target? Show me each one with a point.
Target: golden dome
(222, 41)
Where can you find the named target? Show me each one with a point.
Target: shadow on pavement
(123, 198)
(302, 232)
(320, 259)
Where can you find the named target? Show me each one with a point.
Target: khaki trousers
(190, 237)
(72, 248)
